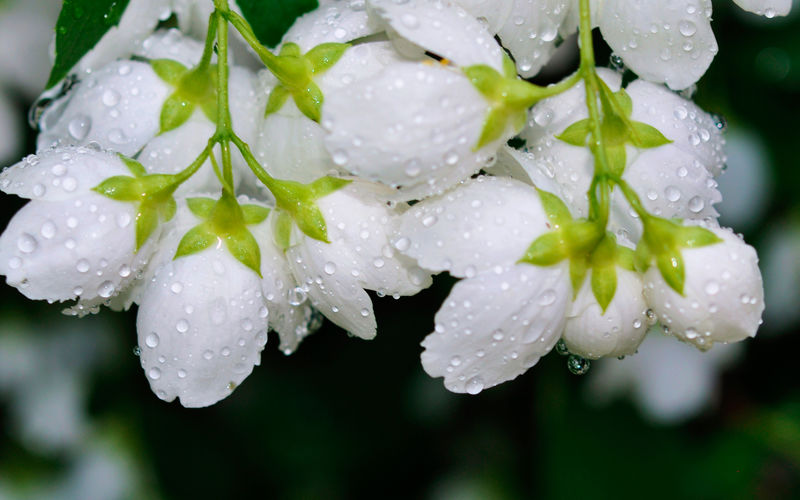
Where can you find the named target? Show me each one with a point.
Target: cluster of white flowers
(371, 153)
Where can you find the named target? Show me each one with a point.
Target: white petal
(482, 224)
(61, 174)
(173, 151)
(723, 293)
(60, 250)
(531, 31)
(494, 12)
(118, 107)
(412, 126)
(493, 327)
(172, 44)
(289, 319)
(766, 8)
(202, 325)
(332, 22)
(122, 40)
(592, 333)
(242, 89)
(693, 130)
(440, 27)
(664, 42)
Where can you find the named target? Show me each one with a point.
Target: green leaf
(643, 135)
(695, 237)
(244, 247)
(254, 214)
(168, 70)
(604, 284)
(577, 134)
(671, 266)
(146, 223)
(557, 212)
(309, 101)
(175, 112)
(120, 188)
(81, 24)
(197, 239)
(270, 19)
(546, 250)
(325, 55)
(277, 98)
(201, 207)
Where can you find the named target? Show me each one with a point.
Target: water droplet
(26, 243)
(48, 230)
(181, 373)
(687, 28)
(429, 220)
(561, 348)
(329, 268)
(106, 289)
(82, 266)
(712, 288)
(79, 127)
(296, 296)
(176, 287)
(577, 365)
(182, 326)
(696, 204)
(474, 385)
(111, 97)
(137, 351)
(402, 244)
(154, 373)
(455, 361)
(151, 340)
(498, 335)
(207, 355)
(672, 193)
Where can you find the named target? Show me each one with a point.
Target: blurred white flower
(669, 381)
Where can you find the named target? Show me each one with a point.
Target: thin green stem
(632, 197)
(208, 49)
(243, 27)
(189, 171)
(251, 161)
(224, 128)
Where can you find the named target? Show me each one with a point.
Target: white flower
(529, 30)
(359, 256)
(723, 296)
(415, 126)
(673, 180)
(504, 316)
(669, 381)
(766, 8)
(592, 333)
(69, 241)
(202, 324)
(289, 144)
(334, 21)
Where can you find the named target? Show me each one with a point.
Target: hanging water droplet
(474, 385)
(106, 289)
(577, 365)
(296, 296)
(561, 348)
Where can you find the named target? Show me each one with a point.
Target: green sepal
(254, 214)
(277, 98)
(577, 134)
(168, 70)
(146, 223)
(309, 101)
(582, 236)
(290, 49)
(283, 230)
(201, 207)
(626, 258)
(642, 257)
(327, 185)
(325, 55)
(120, 188)
(696, 236)
(644, 136)
(175, 112)
(555, 209)
(617, 159)
(604, 284)
(624, 101)
(209, 108)
(546, 250)
(493, 127)
(167, 209)
(196, 240)
(509, 68)
(578, 267)
(136, 168)
(671, 266)
(310, 220)
(244, 247)
(485, 79)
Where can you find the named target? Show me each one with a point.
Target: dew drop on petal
(474, 385)
(151, 340)
(106, 289)
(26, 243)
(154, 373)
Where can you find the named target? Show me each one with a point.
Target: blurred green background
(345, 418)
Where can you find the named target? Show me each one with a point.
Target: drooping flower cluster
(227, 202)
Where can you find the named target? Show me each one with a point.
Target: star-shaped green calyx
(617, 128)
(152, 195)
(192, 89)
(662, 243)
(585, 244)
(295, 73)
(296, 204)
(224, 220)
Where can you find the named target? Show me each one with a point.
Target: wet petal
(766, 8)
(531, 31)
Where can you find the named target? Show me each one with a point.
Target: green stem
(632, 197)
(599, 208)
(189, 171)
(208, 49)
(224, 128)
(538, 93)
(243, 27)
(257, 169)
